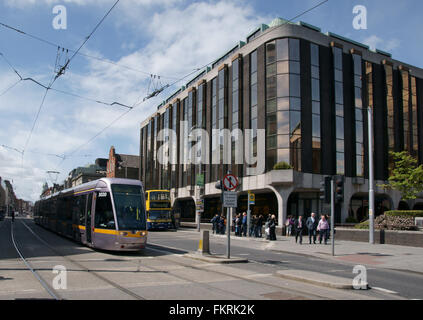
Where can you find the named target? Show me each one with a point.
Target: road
(159, 272)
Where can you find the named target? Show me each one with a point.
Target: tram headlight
(123, 233)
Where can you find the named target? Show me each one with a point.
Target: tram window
(104, 218)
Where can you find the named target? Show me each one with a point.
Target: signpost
(251, 201)
(228, 185)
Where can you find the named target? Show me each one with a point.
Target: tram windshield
(130, 207)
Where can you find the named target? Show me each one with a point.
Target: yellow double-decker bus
(159, 209)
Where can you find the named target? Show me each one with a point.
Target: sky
(167, 38)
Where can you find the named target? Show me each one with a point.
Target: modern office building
(309, 91)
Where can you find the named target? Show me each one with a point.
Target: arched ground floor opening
(403, 206)
(359, 206)
(418, 206)
(303, 204)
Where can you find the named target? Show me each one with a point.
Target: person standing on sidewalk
(323, 228)
(311, 224)
(214, 221)
(288, 226)
(244, 224)
(259, 226)
(299, 227)
(272, 228)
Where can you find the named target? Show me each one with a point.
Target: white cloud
(181, 38)
(374, 42)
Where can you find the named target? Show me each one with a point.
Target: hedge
(282, 166)
(404, 213)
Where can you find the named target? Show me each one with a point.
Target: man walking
(299, 226)
(311, 224)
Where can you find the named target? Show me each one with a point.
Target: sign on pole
(230, 182)
(230, 199)
(251, 198)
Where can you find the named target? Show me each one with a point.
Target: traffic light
(219, 185)
(325, 190)
(339, 189)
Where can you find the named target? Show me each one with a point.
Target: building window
(213, 153)
(283, 103)
(390, 111)
(339, 101)
(236, 110)
(253, 102)
(359, 124)
(406, 110)
(174, 146)
(315, 96)
(415, 135)
(222, 114)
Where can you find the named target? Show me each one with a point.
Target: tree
(406, 176)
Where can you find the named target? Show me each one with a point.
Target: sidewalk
(356, 253)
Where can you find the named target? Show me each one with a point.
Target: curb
(319, 279)
(214, 258)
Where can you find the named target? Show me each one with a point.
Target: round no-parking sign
(230, 182)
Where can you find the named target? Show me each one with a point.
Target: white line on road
(385, 290)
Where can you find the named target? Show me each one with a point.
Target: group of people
(219, 224)
(312, 224)
(240, 223)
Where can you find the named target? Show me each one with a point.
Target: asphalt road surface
(38, 264)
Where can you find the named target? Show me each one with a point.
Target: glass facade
(315, 97)
(236, 106)
(253, 102)
(339, 110)
(283, 103)
(406, 110)
(359, 123)
(414, 122)
(282, 113)
(390, 110)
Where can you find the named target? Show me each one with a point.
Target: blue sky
(170, 38)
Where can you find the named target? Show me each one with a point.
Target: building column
(282, 194)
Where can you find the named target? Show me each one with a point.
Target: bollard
(204, 245)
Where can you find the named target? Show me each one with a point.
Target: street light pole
(371, 177)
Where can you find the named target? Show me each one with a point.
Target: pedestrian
(13, 215)
(259, 225)
(272, 228)
(267, 228)
(288, 226)
(299, 226)
(238, 225)
(323, 228)
(311, 224)
(214, 221)
(244, 224)
(252, 225)
(222, 224)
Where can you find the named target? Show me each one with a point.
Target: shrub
(282, 166)
(404, 213)
(351, 220)
(363, 225)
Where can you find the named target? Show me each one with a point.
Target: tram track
(85, 269)
(43, 283)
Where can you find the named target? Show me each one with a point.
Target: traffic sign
(230, 182)
(230, 199)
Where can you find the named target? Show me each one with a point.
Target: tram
(107, 214)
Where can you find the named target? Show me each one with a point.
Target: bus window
(104, 218)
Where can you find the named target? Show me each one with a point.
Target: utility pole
(371, 177)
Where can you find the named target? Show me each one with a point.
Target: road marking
(385, 290)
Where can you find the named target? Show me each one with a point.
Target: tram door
(89, 216)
